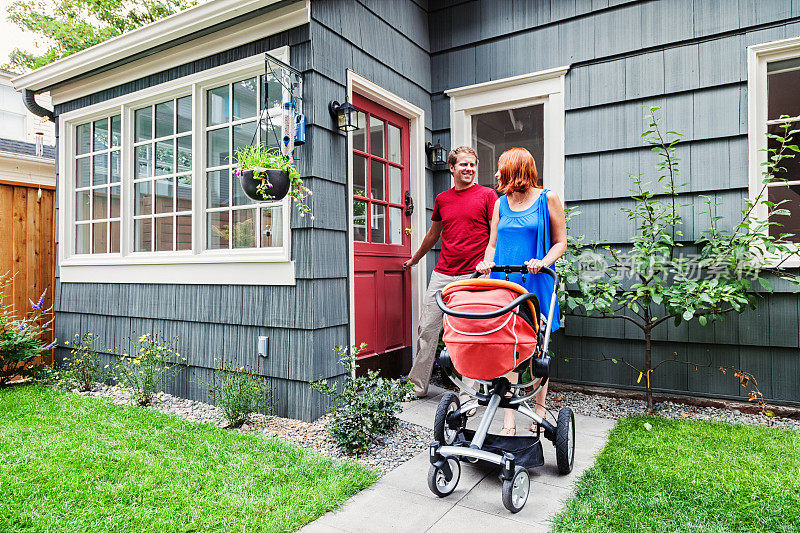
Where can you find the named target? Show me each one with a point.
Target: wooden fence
(27, 244)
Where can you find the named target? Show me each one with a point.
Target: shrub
(84, 367)
(365, 408)
(150, 365)
(21, 340)
(240, 392)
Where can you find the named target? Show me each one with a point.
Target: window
(497, 131)
(97, 186)
(378, 181)
(162, 176)
(773, 86)
(151, 183)
(783, 88)
(526, 110)
(234, 220)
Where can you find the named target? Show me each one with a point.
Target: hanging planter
(276, 182)
(265, 174)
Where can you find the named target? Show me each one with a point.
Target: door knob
(408, 231)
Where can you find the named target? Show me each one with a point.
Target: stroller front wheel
(437, 480)
(444, 430)
(516, 490)
(565, 440)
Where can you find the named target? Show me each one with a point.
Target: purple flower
(21, 326)
(38, 305)
(50, 346)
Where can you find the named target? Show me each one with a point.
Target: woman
(528, 227)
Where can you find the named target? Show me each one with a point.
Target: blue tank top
(524, 235)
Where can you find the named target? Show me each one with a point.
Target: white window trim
(543, 87)
(757, 58)
(198, 266)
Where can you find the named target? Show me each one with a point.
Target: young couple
(478, 230)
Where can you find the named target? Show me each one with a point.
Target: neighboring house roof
(23, 148)
(177, 28)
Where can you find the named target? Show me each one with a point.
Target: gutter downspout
(29, 97)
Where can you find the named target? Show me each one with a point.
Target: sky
(12, 35)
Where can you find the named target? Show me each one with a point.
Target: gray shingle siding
(13, 146)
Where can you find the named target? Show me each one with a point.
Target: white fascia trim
(251, 273)
(28, 158)
(522, 79)
(758, 56)
(543, 87)
(157, 33)
(416, 141)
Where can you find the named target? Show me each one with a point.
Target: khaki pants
(430, 324)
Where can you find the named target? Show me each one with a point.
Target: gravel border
(608, 407)
(387, 453)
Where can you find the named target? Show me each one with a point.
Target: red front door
(382, 238)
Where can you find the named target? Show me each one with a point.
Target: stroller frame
(450, 423)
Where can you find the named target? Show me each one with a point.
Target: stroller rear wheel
(516, 490)
(437, 481)
(443, 430)
(565, 440)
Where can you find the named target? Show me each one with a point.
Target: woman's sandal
(508, 432)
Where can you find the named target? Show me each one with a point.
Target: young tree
(69, 26)
(652, 283)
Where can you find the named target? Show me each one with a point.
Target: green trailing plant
(259, 159)
(239, 391)
(147, 367)
(364, 407)
(83, 368)
(655, 283)
(21, 338)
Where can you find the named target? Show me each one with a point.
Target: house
(566, 78)
(27, 186)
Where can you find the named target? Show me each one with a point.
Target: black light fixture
(346, 115)
(436, 153)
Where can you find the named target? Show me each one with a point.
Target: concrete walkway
(401, 500)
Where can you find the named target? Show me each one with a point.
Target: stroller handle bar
(512, 269)
(490, 314)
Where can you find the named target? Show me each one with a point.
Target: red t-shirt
(466, 216)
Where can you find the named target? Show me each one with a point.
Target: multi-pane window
(97, 174)
(162, 176)
(232, 122)
(783, 88)
(377, 181)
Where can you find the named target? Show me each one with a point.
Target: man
(461, 217)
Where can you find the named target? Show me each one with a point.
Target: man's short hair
(452, 157)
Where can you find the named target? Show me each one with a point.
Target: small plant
(81, 371)
(150, 365)
(259, 159)
(240, 391)
(21, 339)
(365, 408)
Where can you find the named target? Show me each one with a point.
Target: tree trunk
(648, 365)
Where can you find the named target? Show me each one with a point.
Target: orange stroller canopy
(487, 348)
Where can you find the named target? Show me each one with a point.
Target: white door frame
(543, 87)
(416, 118)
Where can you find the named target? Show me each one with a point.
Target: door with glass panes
(382, 238)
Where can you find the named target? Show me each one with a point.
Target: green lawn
(689, 476)
(70, 463)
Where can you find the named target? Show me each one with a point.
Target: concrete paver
(401, 501)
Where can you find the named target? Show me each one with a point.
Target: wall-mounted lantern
(345, 114)
(436, 153)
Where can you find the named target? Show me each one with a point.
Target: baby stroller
(492, 327)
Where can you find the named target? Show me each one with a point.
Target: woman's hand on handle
(485, 267)
(535, 265)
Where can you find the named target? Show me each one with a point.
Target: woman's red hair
(517, 171)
